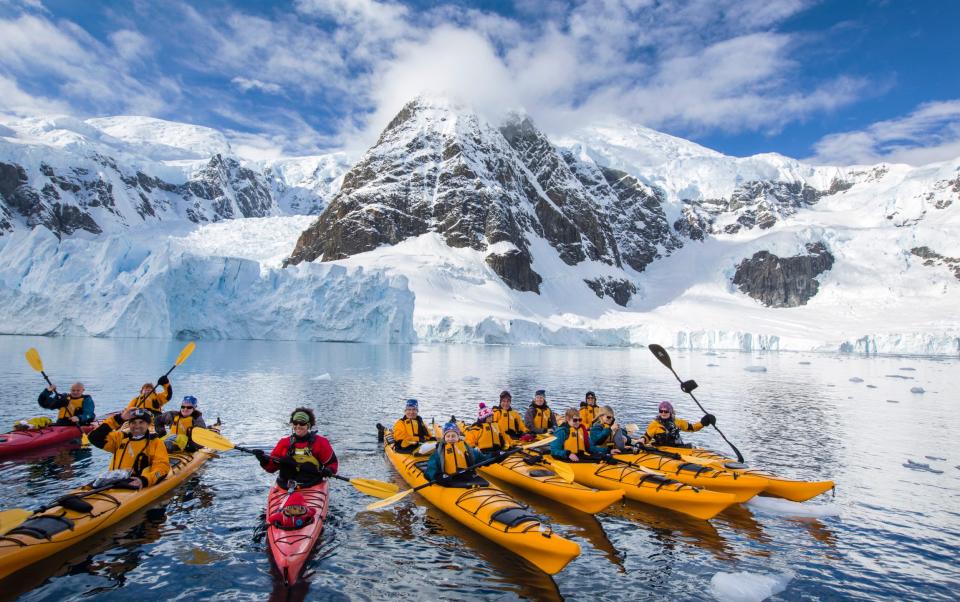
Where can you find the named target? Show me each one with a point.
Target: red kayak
(290, 547)
(16, 442)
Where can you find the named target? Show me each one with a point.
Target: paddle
(33, 358)
(687, 387)
(396, 498)
(13, 518)
(213, 440)
(184, 354)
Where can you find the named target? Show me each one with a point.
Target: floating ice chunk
(748, 587)
(899, 376)
(856, 379)
(871, 386)
(892, 401)
(934, 458)
(325, 376)
(712, 365)
(710, 353)
(918, 390)
(470, 379)
(756, 368)
(804, 363)
(921, 467)
(909, 369)
(781, 507)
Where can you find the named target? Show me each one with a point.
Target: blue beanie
(189, 400)
(540, 392)
(451, 426)
(412, 403)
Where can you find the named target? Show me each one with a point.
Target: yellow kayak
(491, 513)
(643, 485)
(793, 490)
(539, 479)
(741, 485)
(58, 528)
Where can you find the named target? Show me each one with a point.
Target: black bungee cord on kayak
(687, 386)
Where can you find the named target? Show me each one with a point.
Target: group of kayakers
(588, 433)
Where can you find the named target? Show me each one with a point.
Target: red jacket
(321, 450)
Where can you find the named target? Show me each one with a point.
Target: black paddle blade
(661, 354)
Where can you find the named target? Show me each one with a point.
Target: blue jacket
(601, 435)
(561, 433)
(435, 465)
(54, 401)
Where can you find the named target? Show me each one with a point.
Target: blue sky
(831, 81)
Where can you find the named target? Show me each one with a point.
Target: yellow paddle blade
(187, 350)
(539, 443)
(207, 438)
(84, 440)
(33, 358)
(563, 471)
(380, 489)
(390, 500)
(11, 519)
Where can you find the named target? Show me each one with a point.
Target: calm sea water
(891, 531)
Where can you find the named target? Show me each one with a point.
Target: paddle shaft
(470, 468)
(665, 360)
(253, 452)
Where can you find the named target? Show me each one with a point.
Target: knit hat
(665, 405)
(141, 414)
(540, 392)
(589, 395)
(505, 394)
(413, 403)
(484, 412)
(451, 426)
(189, 400)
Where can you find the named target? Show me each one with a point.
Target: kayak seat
(466, 482)
(44, 526)
(540, 472)
(512, 517)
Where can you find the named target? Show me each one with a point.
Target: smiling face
(146, 390)
(539, 400)
(451, 436)
(410, 413)
(186, 410)
(139, 427)
(300, 429)
(76, 390)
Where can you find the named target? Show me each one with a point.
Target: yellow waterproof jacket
(155, 401)
(509, 421)
(407, 433)
(668, 433)
(146, 458)
(487, 437)
(588, 413)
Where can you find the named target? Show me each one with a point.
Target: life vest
(588, 413)
(303, 455)
(487, 436)
(541, 417)
(575, 442)
(670, 434)
(509, 422)
(607, 440)
(181, 424)
(132, 454)
(454, 457)
(154, 401)
(416, 428)
(73, 407)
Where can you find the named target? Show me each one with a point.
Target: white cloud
(929, 134)
(18, 103)
(246, 85)
(130, 45)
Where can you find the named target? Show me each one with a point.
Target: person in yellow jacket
(138, 451)
(666, 428)
(410, 431)
(152, 400)
(509, 420)
(539, 417)
(485, 433)
(181, 423)
(589, 409)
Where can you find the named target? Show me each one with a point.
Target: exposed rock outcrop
(783, 281)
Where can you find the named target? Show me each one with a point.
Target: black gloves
(325, 472)
(443, 478)
(688, 386)
(260, 454)
(163, 380)
(708, 419)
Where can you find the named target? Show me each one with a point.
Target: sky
(831, 81)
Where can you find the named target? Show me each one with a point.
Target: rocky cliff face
(783, 281)
(439, 169)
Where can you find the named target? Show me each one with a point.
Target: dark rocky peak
(783, 281)
(224, 189)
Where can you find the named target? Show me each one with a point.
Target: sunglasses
(665, 412)
(186, 407)
(299, 423)
(574, 420)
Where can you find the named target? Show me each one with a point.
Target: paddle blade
(33, 358)
(539, 443)
(11, 519)
(187, 350)
(207, 438)
(380, 489)
(390, 500)
(84, 440)
(563, 471)
(661, 354)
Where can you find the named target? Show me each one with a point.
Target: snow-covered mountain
(475, 232)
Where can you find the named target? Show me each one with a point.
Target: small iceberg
(856, 379)
(917, 390)
(713, 365)
(899, 376)
(325, 376)
(756, 368)
(804, 363)
(934, 458)
(909, 369)
(892, 401)
(871, 386)
(748, 587)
